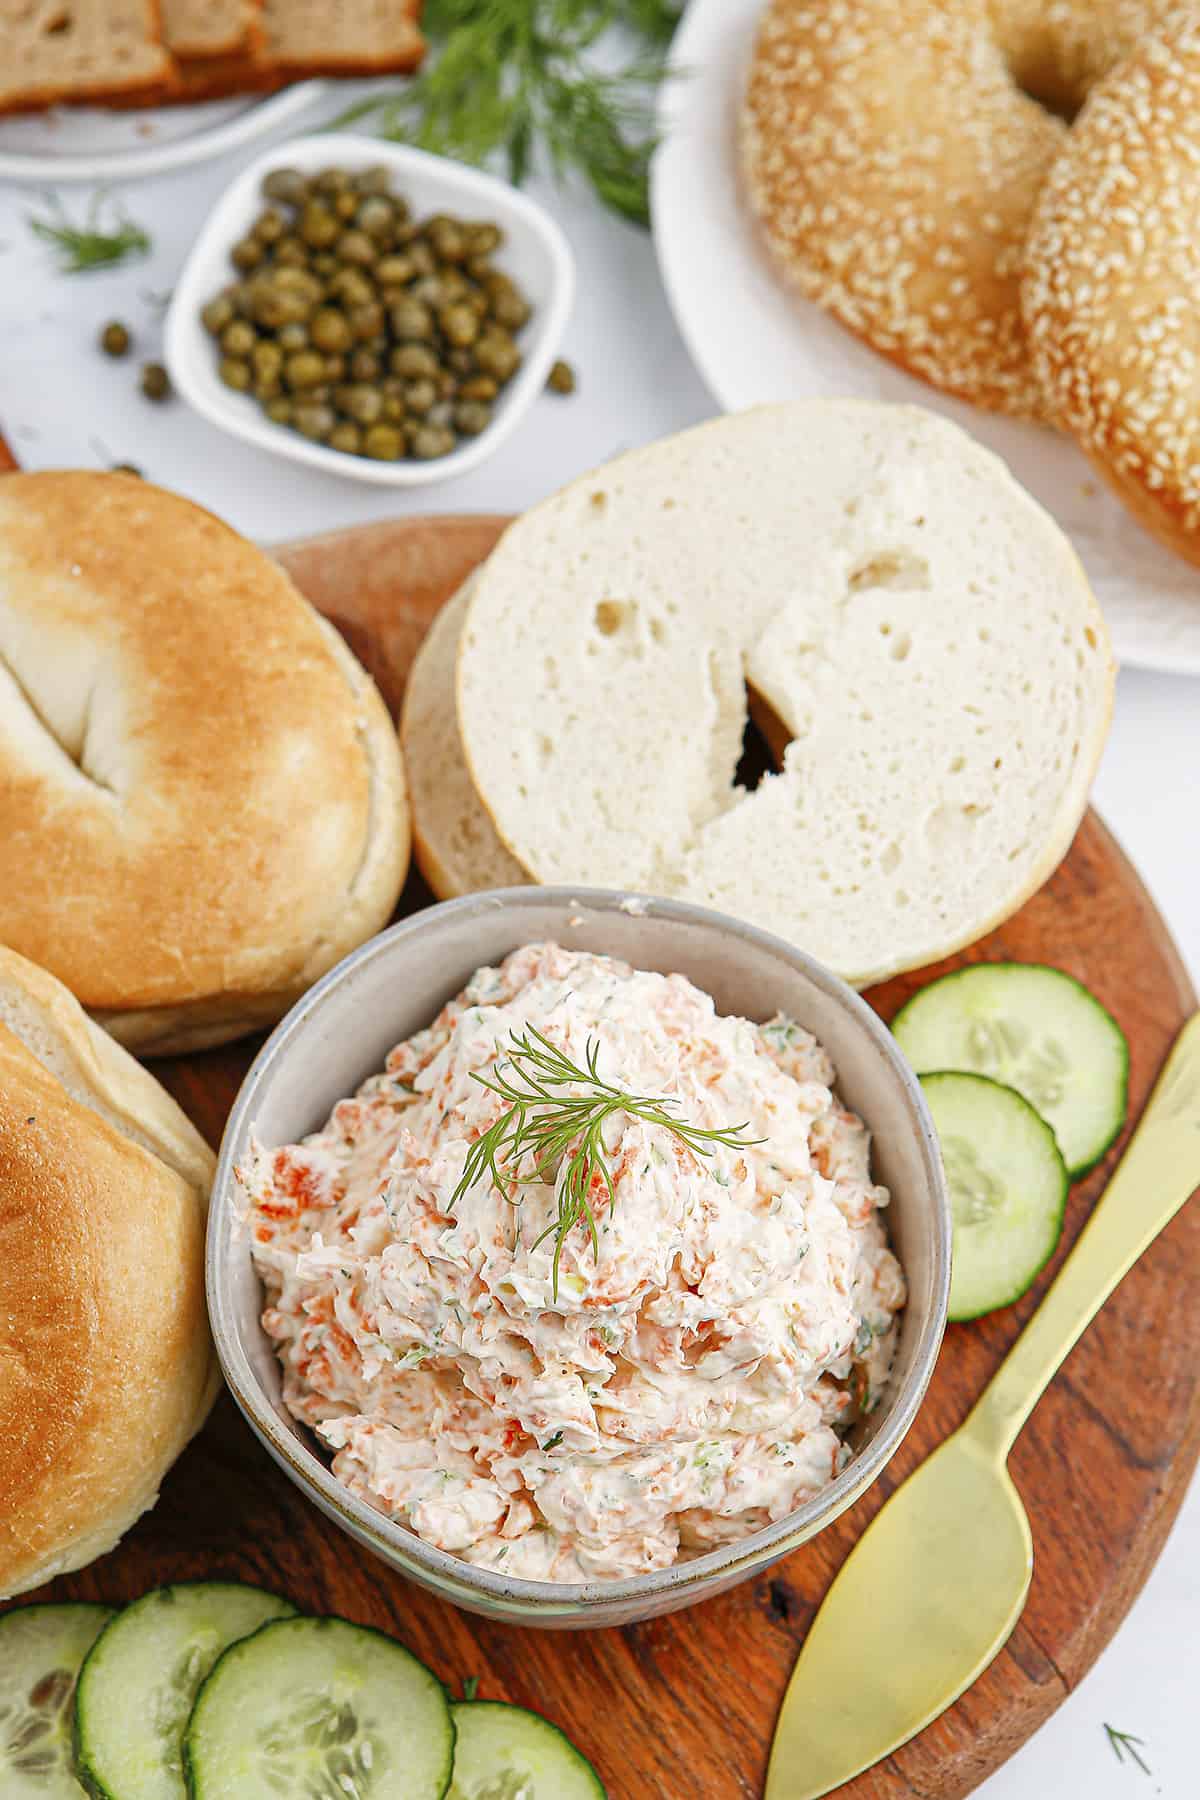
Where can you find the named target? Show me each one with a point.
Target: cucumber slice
(320, 1708)
(1036, 1030)
(1008, 1188)
(140, 1679)
(41, 1651)
(505, 1753)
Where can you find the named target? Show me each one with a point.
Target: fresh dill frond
(1123, 1743)
(557, 1132)
(509, 77)
(90, 245)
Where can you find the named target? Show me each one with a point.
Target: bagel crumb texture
(1113, 271)
(893, 153)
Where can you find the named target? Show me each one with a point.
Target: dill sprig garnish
(543, 1122)
(88, 246)
(509, 76)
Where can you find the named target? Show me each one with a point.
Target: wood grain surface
(684, 1706)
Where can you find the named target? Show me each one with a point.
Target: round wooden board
(685, 1706)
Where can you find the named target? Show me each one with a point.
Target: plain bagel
(106, 1367)
(201, 794)
(893, 151)
(920, 626)
(1112, 276)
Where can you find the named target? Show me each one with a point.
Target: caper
(335, 368)
(293, 337)
(375, 180)
(509, 308)
(235, 372)
(285, 185)
(459, 325)
(289, 252)
(279, 410)
(393, 408)
(394, 269)
(247, 254)
(319, 226)
(240, 298)
(346, 436)
(376, 216)
(472, 416)
(480, 387)
(344, 206)
(365, 365)
(441, 414)
(460, 361)
(305, 369)
(217, 314)
(268, 388)
(330, 330)
(366, 322)
(384, 443)
(351, 287)
(429, 291)
(275, 305)
(431, 441)
(421, 256)
(155, 382)
(363, 404)
(413, 361)
(449, 242)
(269, 226)
(115, 339)
(496, 354)
(323, 392)
(478, 302)
(313, 419)
(267, 359)
(357, 249)
(331, 181)
(447, 383)
(419, 396)
(323, 263)
(561, 379)
(238, 338)
(409, 319)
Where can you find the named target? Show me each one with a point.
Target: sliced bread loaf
(203, 28)
(454, 841)
(918, 624)
(84, 50)
(342, 37)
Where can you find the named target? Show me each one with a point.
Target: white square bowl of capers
(369, 309)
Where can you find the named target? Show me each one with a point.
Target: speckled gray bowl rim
(401, 1547)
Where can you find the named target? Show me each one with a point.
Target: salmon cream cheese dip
(688, 1382)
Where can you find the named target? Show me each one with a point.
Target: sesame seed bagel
(893, 151)
(1109, 296)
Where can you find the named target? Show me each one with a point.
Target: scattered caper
(155, 382)
(115, 339)
(561, 379)
(384, 443)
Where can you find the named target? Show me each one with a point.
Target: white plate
(94, 143)
(535, 253)
(754, 341)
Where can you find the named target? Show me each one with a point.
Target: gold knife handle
(1157, 1174)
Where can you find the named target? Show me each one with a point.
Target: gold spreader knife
(931, 1591)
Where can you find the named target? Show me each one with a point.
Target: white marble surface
(63, 403)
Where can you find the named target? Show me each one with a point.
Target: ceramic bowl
(341, 1032)
(534, 253)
